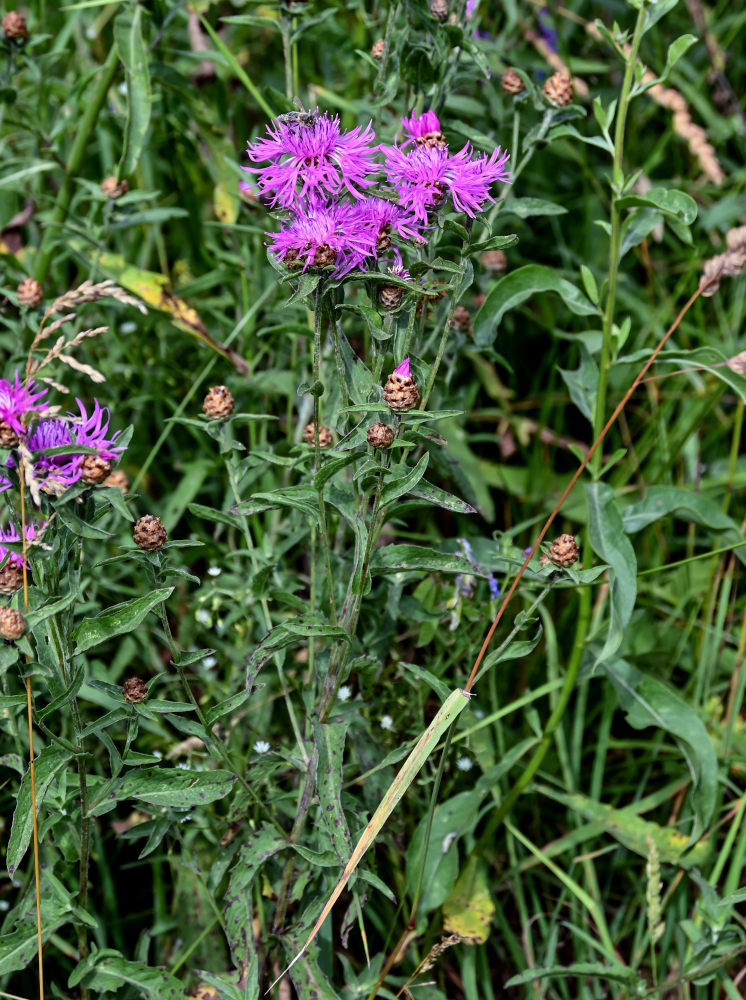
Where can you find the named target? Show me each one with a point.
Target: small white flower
(209, 662)
(214, 571)
(128, 327)
(158, 754)
(387, 722)
(464, 763)
(4, 904)
(203, 616)
(261, 746)
(344, 693)
(479, 713)
(183, 765)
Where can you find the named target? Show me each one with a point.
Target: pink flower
(322, 235)
(9, 533)
(16, 400)
(382, 217)
(403, 369)
(423, 129)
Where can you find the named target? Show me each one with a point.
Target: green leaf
(288, 634)
(330, 740)
(469, 909)
(436, 497)
(518, 286)
(309, 980)
(167, 787)
(667, 200)
(418, 558)
(494, 243)
(264, 843)
(106, 971)
(118, 620)
(403, 479)
(649, 702)
(302, 498)
(610, 543)
(582, 384)
(134, 55)
(524, 208)
(600, 970)
(46, 766)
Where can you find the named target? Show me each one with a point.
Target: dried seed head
(325, 435)
(378, 49)
(113, 188)
(29, 292)
(558, 89)
(563, 551)
(14, 26)
(400, 392)
(149, 533)
(12, 623)
(439, 9)
(494, 261)
(218, 403)
(11, 577)
(390, 297)
(8, 437)
(134, 689)
(94, 469)
(380, 435)
(461, 319)
(119, 479)
(511, 82)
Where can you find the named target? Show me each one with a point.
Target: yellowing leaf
(469, 909)
(225, 203)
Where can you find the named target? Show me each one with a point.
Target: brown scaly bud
(511, 82)
(29, 292)
(380, 435)
(325, 435)
(14, 26)
(461, 319)
(439, 9)
(401, 392)
(113, 188)
(390, 297)
(119, 479)
(563, 551)
(8, 437)
(134, 690)
(494, 261)
(433, 140)
(11, 577)
(324, 256)
(218, 403)
(378, 49)
(94, 469)
(12, 623)
(558, 89)
(149, 533)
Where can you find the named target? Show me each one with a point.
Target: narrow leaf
(121, 618)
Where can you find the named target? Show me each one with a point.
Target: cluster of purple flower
(20, 408)
(322, 175)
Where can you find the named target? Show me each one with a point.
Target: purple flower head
(471, 6)
(427, 175)
(313, 158)
(399, 271)
(90, 431)
(16, 400)
(403, 369)
(424, 130)
(381, 217)
(9, 533)
(546, 29)
(494, 586)
(323, 235)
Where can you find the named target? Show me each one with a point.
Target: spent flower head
(312, 155)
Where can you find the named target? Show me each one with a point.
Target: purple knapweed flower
(471, 6)
(325, 235)
(403, 369)
(55, 471)
(382, 217)
(424, 130)
(494, 586)
(16, 400)
(313, 156)
(9, 533)
(425, 176)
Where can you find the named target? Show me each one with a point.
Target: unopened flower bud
(113, 188)
(29, 292)
(390, 297)
(401, 392)
(149, 533)
(94, 469)
(119, 479)
(461, 319)
(378, 49)
(12, 623)
(11, 577)
(8, 437)
(563, 551)
(439, 9)
(134, 690)
(511, 82)
(380, 435)
(494, 261)
(218, 403)
(325, 435)
(14, 26)
(558, 89)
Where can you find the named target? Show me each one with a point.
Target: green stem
(453, 299)
(74, 162)
(617, 184)
(318, 389)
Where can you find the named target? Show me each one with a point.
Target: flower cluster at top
(323, 176)
(22, 421)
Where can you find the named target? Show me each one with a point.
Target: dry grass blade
(447, 714)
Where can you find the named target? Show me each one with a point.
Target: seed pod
(558, 89)
(461, 319)
(113, 188)
(439, 9)
(390, 297)
(149, 533)
(94, 469)
(29, 292)
(11, 577)
(218, 403)
(14, 26)
(325, 435)
(380, 435)
(378, 49)
(8, 437)
(494, 261)
(134, 690)
(119, 479)
(400, 392)
(563, 551)
(12, 623)
(511, 82)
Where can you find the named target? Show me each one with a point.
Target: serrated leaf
(119, 619)
(134, 55)
(469, 909)
(46, 766)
